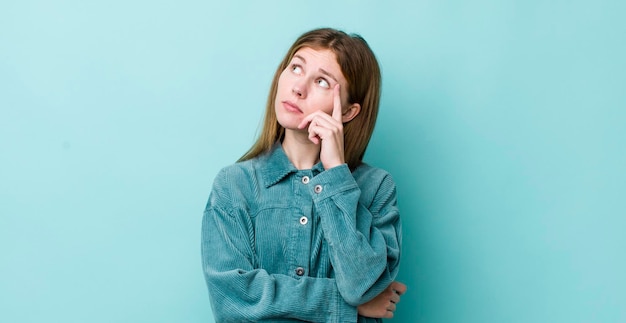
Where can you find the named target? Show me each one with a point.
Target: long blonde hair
(360, 68)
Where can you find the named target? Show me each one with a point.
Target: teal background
(503, 123)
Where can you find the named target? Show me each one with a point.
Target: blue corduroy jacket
(286, 245)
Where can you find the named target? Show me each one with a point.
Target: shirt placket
(301, 224)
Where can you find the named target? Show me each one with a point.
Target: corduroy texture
(264, 223)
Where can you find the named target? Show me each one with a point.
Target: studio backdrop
(503, 124)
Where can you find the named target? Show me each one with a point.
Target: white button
(304, 220)
(318, 189)
(305, 180)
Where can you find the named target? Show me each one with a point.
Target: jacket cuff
(332, 181)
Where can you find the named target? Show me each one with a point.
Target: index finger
(398, 287)
(337, 103)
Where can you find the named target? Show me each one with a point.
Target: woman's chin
(291, 123)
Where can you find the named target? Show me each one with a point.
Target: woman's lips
(292, 107)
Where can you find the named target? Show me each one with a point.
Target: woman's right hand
(327, 130)
(384, 304)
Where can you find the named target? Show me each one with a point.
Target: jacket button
(304, 220)
(299, 271)
(318, 189)
(305, 180)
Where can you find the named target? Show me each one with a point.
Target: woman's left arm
(361, 224)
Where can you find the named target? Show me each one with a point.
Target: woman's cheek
(328, 103)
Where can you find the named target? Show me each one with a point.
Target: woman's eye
(323, 83)
(296, 69)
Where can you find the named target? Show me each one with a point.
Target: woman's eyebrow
(323, 71)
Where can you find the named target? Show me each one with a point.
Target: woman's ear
(353, 110)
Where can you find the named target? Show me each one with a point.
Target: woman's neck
(302, 153)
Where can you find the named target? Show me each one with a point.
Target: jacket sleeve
(363, 232)
(239, 292)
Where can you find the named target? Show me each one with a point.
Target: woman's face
(306, 85)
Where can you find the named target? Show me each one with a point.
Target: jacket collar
(277, 166)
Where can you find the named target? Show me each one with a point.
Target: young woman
(300, 229)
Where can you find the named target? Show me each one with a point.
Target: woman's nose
(299, 89)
